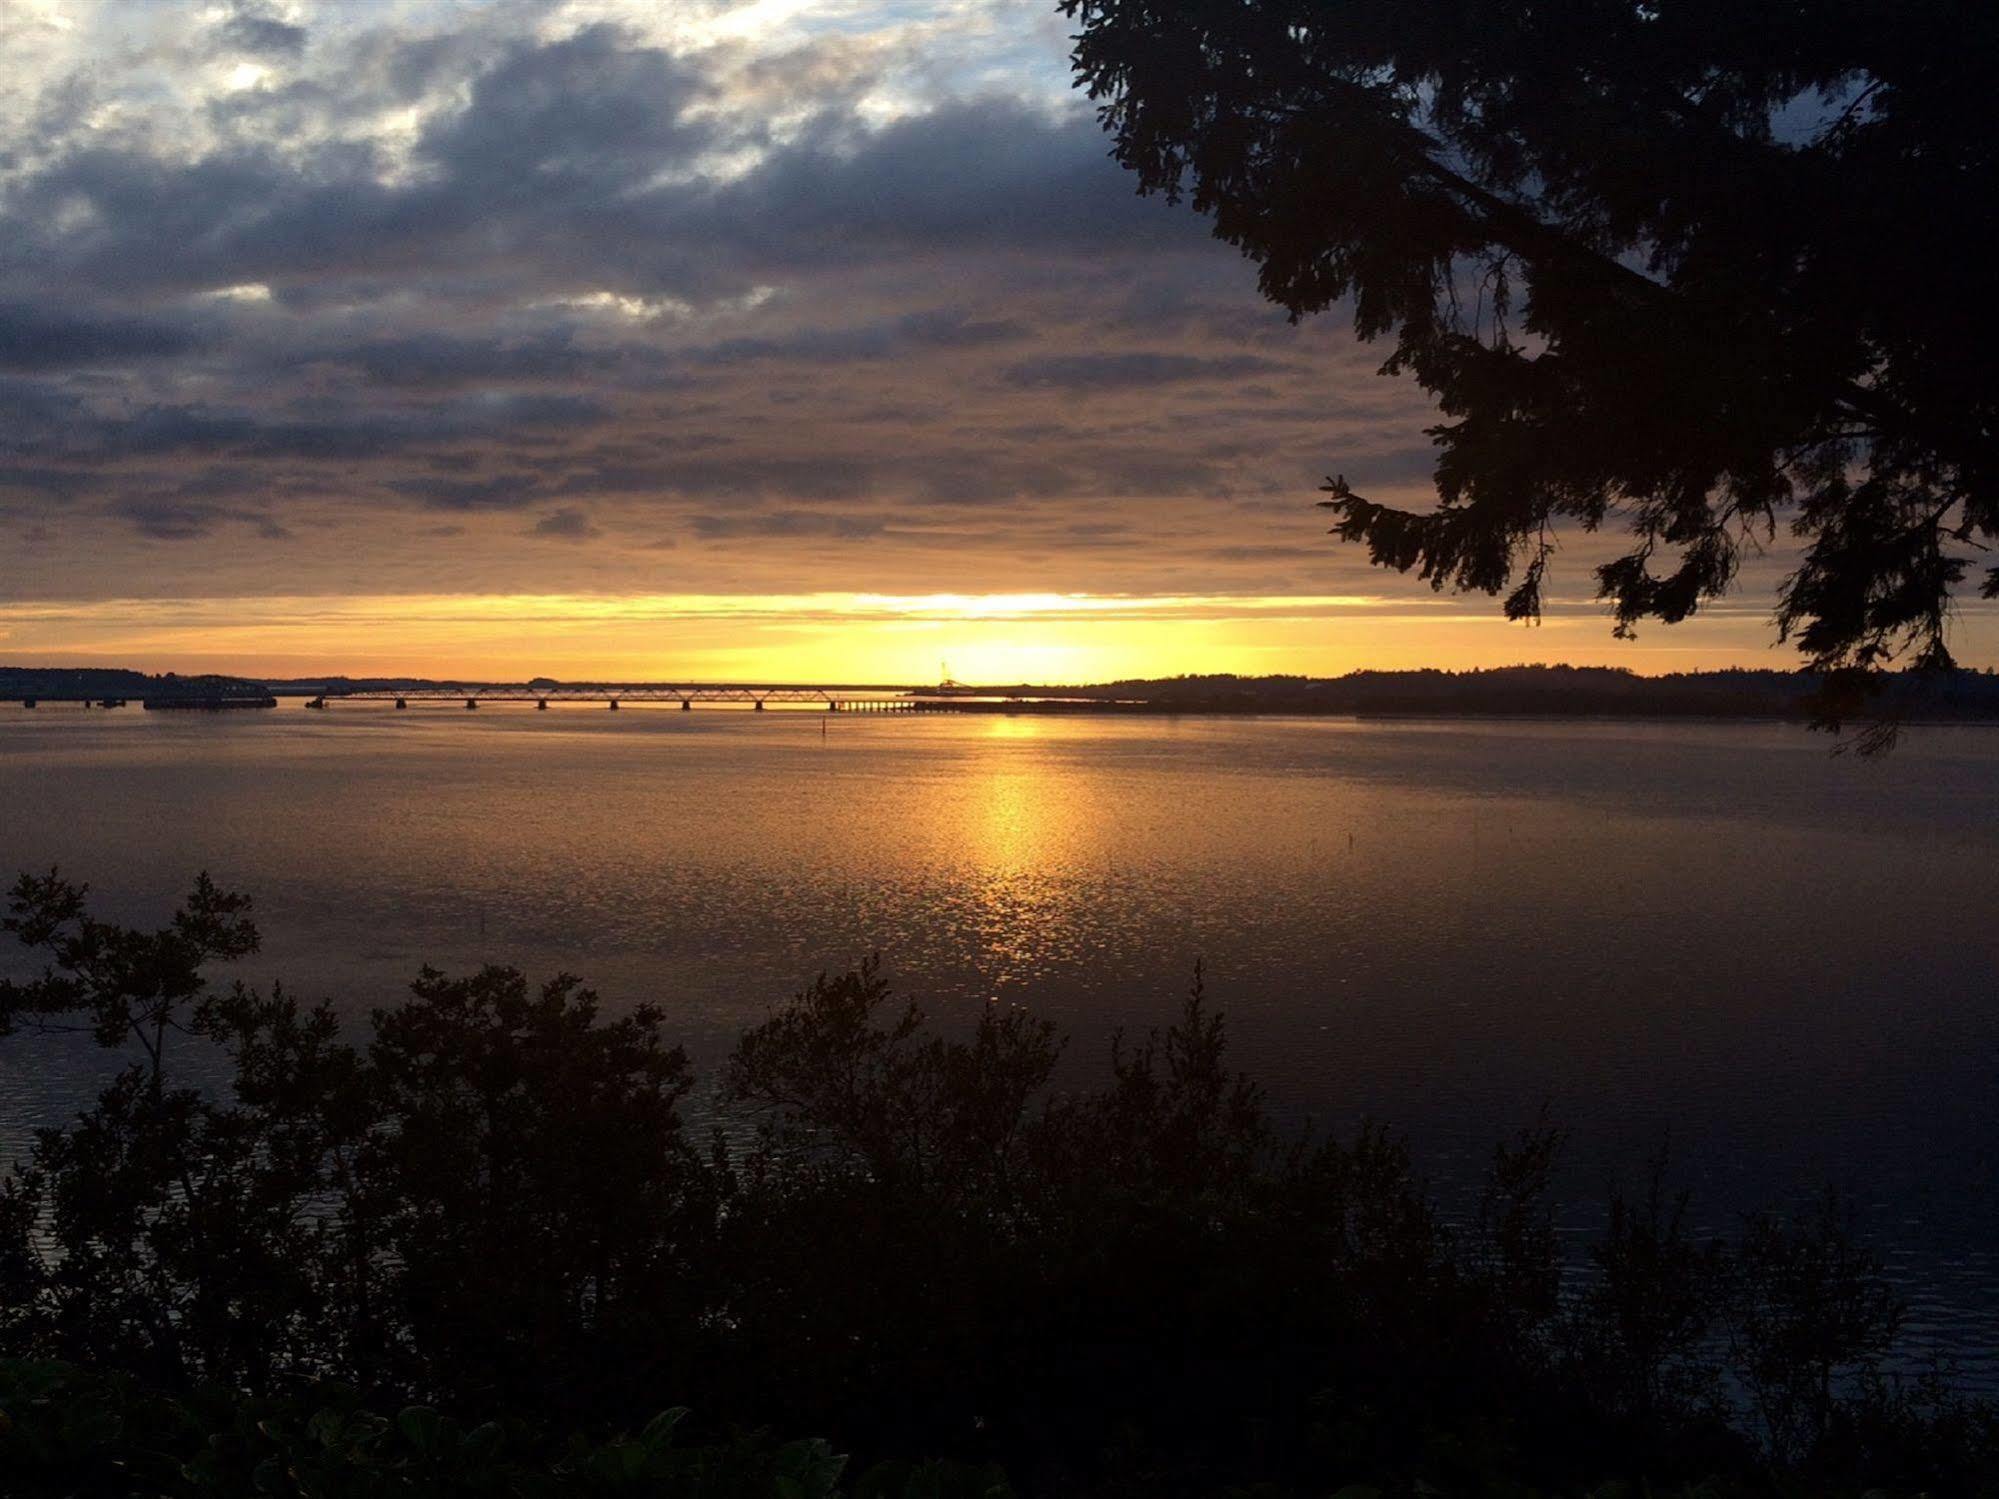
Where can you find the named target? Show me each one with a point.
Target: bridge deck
(861, 697)
(836, 697)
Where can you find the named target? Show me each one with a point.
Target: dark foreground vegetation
(478, 1251)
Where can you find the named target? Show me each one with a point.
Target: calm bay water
(1782, 965)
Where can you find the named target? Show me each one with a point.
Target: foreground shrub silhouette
(64, 1431)
(911, 1244)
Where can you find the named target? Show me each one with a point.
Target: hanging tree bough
(1703, 269)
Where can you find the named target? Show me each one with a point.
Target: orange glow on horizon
(997, 638)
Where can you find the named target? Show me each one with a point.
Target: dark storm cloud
(43, 338)
(986, 174)
(453, 361)
(939, 328)
(499, 492)
(168, 518)
(322, 430)
(564, 525)
(788, 524)
(955, 477)
(1134, 371)
(260, 35)
(588, 113)
(47, 487)
(552, 174)
(39, 416)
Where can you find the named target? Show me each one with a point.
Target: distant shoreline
(1086, 709)
(1524, 693)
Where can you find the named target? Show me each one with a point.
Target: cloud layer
(775, 297)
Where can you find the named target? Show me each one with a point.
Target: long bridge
(201, 693)
(831, 697)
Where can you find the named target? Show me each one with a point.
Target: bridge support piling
(471, 702)
(541, 705)
(686, 706)
(614, 705)
(402, 702)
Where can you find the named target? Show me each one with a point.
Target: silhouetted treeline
(1564, 691)
(906, 1242)
(95, 684)
(1524, 691)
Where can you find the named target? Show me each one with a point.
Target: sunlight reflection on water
(1784, 960)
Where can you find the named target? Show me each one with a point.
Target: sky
(769, 340)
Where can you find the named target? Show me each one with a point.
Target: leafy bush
(67, 1432)
(490, 1209)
